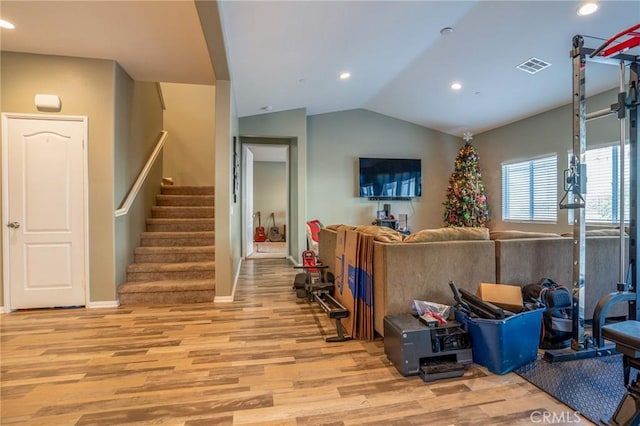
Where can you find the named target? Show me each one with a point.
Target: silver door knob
(14, 225)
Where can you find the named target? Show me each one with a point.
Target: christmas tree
(466, 203)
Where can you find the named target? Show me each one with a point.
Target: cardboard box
(506, 296)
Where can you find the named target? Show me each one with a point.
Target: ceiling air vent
(533, 65)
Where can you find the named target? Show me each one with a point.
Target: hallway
(261, 359)
(269, 250)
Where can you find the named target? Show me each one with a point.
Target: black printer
(432, 352)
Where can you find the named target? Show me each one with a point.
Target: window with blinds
(603, 185)
(529, 190)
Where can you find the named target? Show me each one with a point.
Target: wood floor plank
(260, 360)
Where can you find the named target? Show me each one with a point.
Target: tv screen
(389, 178)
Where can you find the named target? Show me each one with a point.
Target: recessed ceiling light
(456, 86)
(587, 9)
(6, 24)
(345, 75)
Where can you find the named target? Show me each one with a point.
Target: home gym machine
(317, 286)
(626, 108)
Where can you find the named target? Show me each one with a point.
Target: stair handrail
(133, 192)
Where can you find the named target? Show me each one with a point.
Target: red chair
(313, 235)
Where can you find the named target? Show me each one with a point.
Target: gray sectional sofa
(405, 269)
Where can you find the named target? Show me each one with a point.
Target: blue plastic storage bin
(504, 345)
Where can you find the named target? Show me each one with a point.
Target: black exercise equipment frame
(319, 290)
(627, 106)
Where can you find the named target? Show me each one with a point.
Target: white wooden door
(44, 210)
(247, 200)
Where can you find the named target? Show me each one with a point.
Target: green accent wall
(547, 133)
(337, 140)
(291, 125)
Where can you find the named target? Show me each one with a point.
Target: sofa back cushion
(597, 233)
(511, 235)
(381, 233)
(453, 233)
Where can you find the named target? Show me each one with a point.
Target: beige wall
(337, 140)
(86, 87)
(270, 192)
(138, 123)
(228, 232)
(189, 118)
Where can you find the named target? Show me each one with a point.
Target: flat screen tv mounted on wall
(390, 178)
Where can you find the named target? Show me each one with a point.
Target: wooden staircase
(175, 262)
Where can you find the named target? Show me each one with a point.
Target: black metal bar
(612, 60)
(600, 313)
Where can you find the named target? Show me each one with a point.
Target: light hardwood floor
(259, 360)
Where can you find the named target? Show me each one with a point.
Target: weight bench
(626, 336)
(315, 287)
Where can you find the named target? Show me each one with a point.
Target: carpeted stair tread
(180, 224)
(184, 200)
(202, 238)
(181, 234)
(180, 220)
(169, 220)
(167, 293)
(182, 212)
(174, 249)
(187, 190)
(171, 267)
(169, 285)
(157, 254)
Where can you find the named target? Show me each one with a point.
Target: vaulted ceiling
(289, 54)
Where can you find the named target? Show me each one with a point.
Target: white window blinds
(529, 190)
(603, 186)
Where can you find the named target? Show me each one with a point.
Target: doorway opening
(265, 197)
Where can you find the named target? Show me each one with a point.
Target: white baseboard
(103, 304)
(229, 299)
(90, 305)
